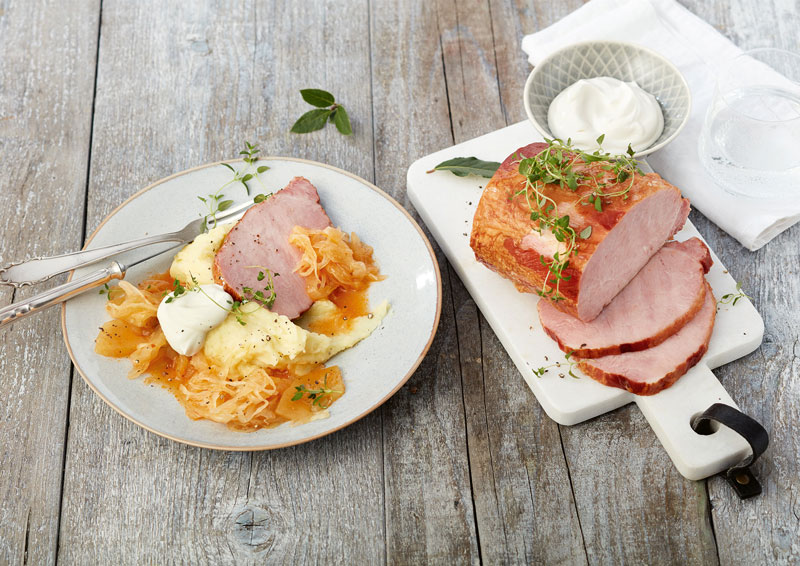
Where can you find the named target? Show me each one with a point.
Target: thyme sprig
(733, 298)
(216, 202)
(109, 292)
(179, 290)
(319, 397)
(266, 296)
(569, 362)
(555, 164)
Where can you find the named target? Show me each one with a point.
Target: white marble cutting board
(447, 204)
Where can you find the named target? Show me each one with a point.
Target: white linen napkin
(698, 50)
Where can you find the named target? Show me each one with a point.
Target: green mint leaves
(463, 166)
(326, 109)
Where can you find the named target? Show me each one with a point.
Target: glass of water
(750, 141)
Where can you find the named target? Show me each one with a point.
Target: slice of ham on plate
(665, 295)
(260, 240)
(649, 371)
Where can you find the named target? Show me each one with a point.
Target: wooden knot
(253, 529)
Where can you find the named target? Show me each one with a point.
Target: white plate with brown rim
(373, 370)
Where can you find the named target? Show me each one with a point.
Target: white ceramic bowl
(617, 59)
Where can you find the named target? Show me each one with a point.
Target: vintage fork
(37, 270)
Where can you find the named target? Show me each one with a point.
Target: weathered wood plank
(517, 465)
(429, 509)
(178, 85)
(472, 471)
(47, 63)
(677, 529)
(766, 384)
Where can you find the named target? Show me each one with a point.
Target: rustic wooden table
(98, 99)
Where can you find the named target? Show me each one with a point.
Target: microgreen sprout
(109, 292)
(569, 363)
(554, 165)
(216, 202)
(733, 298)
(319, 397)
(266, 295)
(180, 290)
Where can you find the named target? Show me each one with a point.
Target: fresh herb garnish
(178, 289)
(555, 165)
(266, 296)
(463, 166)
(326, 109)
(570, 363)
(733, 298)
(319, 397)
(215, 203)
(108, 291)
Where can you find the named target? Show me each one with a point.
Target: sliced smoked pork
(696, 248)
(665, 294)
(649, 371)
(261, 240)
(624, 235)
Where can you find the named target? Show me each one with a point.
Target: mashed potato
(266, 339)
(198, 257)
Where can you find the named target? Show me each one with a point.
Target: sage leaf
(342, 121)
(463, 166)
(317, 97)
(311, 121)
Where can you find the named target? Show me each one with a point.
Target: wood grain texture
(179, 85)
(765, 384)
(642, 531)
(47, 63)
(461, 465)
(514, 482)
(429, 509)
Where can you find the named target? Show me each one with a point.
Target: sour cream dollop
(622, 111)
(187, 318)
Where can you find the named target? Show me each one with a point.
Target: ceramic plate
(373, 370)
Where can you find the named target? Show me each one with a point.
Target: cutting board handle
(671, 413)
(739, 476)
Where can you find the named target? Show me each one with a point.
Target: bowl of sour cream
(621, 91)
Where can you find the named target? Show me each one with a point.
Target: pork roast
(649, 371)
(665, 294)
(261, 240)
(624, 235)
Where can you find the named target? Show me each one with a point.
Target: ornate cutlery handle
(41, 269)
(60, 293)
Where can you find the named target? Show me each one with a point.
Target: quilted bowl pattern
(624, 61)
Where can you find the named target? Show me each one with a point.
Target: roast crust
(615, 379)
(502, 220)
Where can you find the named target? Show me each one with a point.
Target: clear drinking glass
(750, 141)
